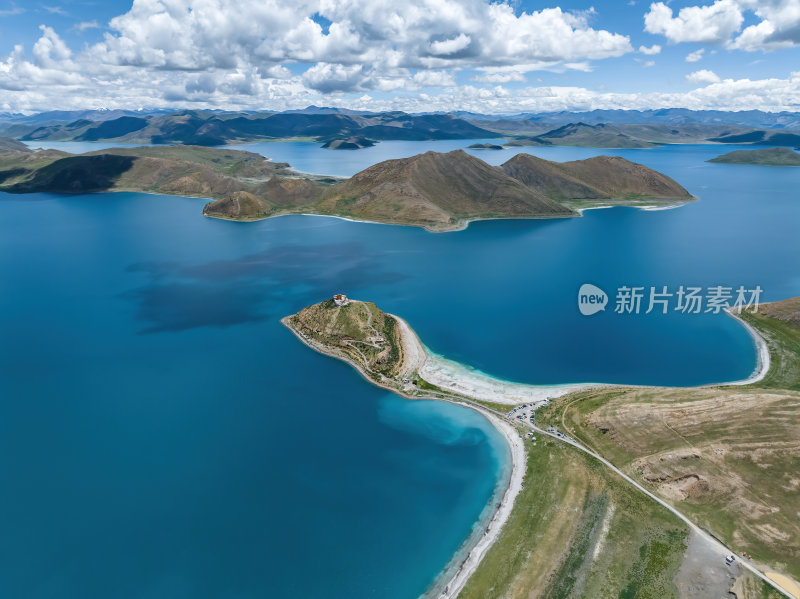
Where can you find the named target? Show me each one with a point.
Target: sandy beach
(762, 353)
(463, 380)
(460, 379)
(477, 552)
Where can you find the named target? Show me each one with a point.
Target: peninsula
(444, 192)
(531, 548)
(766, 157)
(177, 170)
(436, 191)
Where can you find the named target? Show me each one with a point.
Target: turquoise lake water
(162, 435)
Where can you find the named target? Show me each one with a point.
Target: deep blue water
(162, 435)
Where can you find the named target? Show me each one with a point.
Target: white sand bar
(464, 380)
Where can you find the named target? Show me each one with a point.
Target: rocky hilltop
(358, 332)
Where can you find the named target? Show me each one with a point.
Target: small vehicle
(730, 559)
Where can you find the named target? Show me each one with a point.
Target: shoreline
(461, 225)
(762, 354)
(463, 380)
(447, 583)
(657, 207)
(472, 384)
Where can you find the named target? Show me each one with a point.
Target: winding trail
(724, 550)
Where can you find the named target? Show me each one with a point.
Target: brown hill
(436, 191)
(608, 177)
(277, 194)
(183, 170)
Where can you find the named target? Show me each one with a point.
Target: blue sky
(415, 55)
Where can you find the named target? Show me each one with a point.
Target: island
(349, 143)
(435, 191)
(486, 146)
(767, 157)
(602, 498)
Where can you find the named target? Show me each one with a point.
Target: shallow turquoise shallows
(163, 436)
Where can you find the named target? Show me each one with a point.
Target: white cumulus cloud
(696, 55)
(714, 23)
(721, 23)
(274, 54)
(654, 49)
(703, 76)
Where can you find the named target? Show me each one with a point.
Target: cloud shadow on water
(228, 292)
(181, 306)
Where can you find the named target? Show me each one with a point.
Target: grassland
(579, 531)
(728, 457)
(779, 325)
(750, 587)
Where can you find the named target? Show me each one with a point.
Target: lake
(162, 435)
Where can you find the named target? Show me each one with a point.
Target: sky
(413, 55)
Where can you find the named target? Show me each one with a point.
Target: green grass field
(728, 457)
(579, 531)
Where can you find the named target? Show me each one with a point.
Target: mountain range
(193, 127)
(598, 128)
